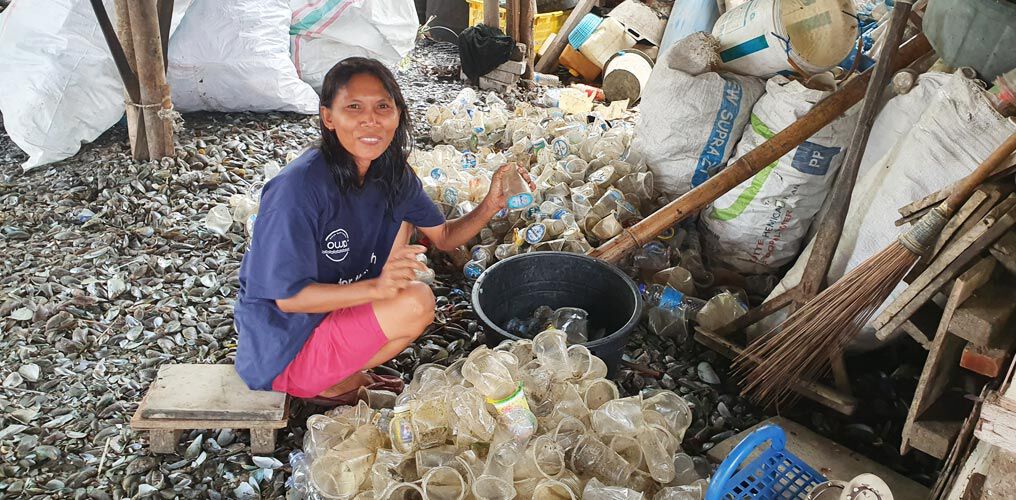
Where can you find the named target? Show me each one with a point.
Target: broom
(801, 349)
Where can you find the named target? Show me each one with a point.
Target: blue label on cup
(671, 299)
(468, 160)
(539, 144)
(501, 213)
(520, 200)
(437, 174)
(450, 196)
(535, 233)
(654, 247)
(559, 213)
(560, 146)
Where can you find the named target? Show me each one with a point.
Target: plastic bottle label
(473, 270)
(535, 233)
(520, 200)
(515, 412)
(670, 299)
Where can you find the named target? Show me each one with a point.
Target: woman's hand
(497, 198)
(399, 271)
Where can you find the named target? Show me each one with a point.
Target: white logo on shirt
(336, 245)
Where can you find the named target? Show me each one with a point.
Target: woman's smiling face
(364, 118)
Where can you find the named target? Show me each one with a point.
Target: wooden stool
(192, 396)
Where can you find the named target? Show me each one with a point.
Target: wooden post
(527, 18)
(548, 63)
(511, 25)
(132, 92)
(491, 13)
(147, 38)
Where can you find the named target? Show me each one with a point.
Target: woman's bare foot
(351, 383)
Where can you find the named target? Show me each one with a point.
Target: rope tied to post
(170, 114)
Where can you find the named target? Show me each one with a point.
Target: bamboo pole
(526, 20)
(132, 91)
(548, 63)
(748, 165)
(491, 13)
(155, 98)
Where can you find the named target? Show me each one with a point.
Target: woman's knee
(408, 314)
(418, 298)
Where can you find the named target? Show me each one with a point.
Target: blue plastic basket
(774, 474)
(583, 30)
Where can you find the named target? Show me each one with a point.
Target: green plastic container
(976, 33)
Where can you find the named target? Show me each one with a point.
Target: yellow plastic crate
(544, 25)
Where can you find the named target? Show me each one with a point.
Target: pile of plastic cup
(530, 419)
(586, 192)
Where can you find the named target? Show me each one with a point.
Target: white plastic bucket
(626, 75)
(609, 38)
(754, 36)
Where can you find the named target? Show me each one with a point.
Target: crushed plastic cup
(434, 457)
(693, 491)
(403, 491)
(538, 382)
(552, 489)
(443, 483)
(243, 207)
(595, 490)
(607, 228)
(629, 448)
(721, 310)
(543, 458)
(339, 473)
(568, 432)
(517, 189)
(673, 408)
(219, 220)
(384, 471)
(431, 422)
(580, 360)
(678, 278)
(659, 461)
(598, 391)
(551, 348)
(471, 415)
(591, 457)
(573, 321)
(684, 468)
(618, 416)
(524, 488)
(428, 375)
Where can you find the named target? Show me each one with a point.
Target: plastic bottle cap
(583, 30)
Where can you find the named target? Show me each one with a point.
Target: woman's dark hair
(391, 170)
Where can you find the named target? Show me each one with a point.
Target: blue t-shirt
(307, 231)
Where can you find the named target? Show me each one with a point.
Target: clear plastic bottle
(665, 297)
(299, 481)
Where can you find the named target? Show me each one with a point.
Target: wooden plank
(262, 441)
(548, 63)
(1000, 479)
(1004, 250)
(997, 424)
(833, 460)
(208, 392)
(943, 358)
(983, 320)
(922, 205)
(814, 391)
(960, 450)
(950, 263)
(164, 440)
(934, 437)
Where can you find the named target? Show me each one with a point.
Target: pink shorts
(340, 346)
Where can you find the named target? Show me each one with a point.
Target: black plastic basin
(515, 287)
